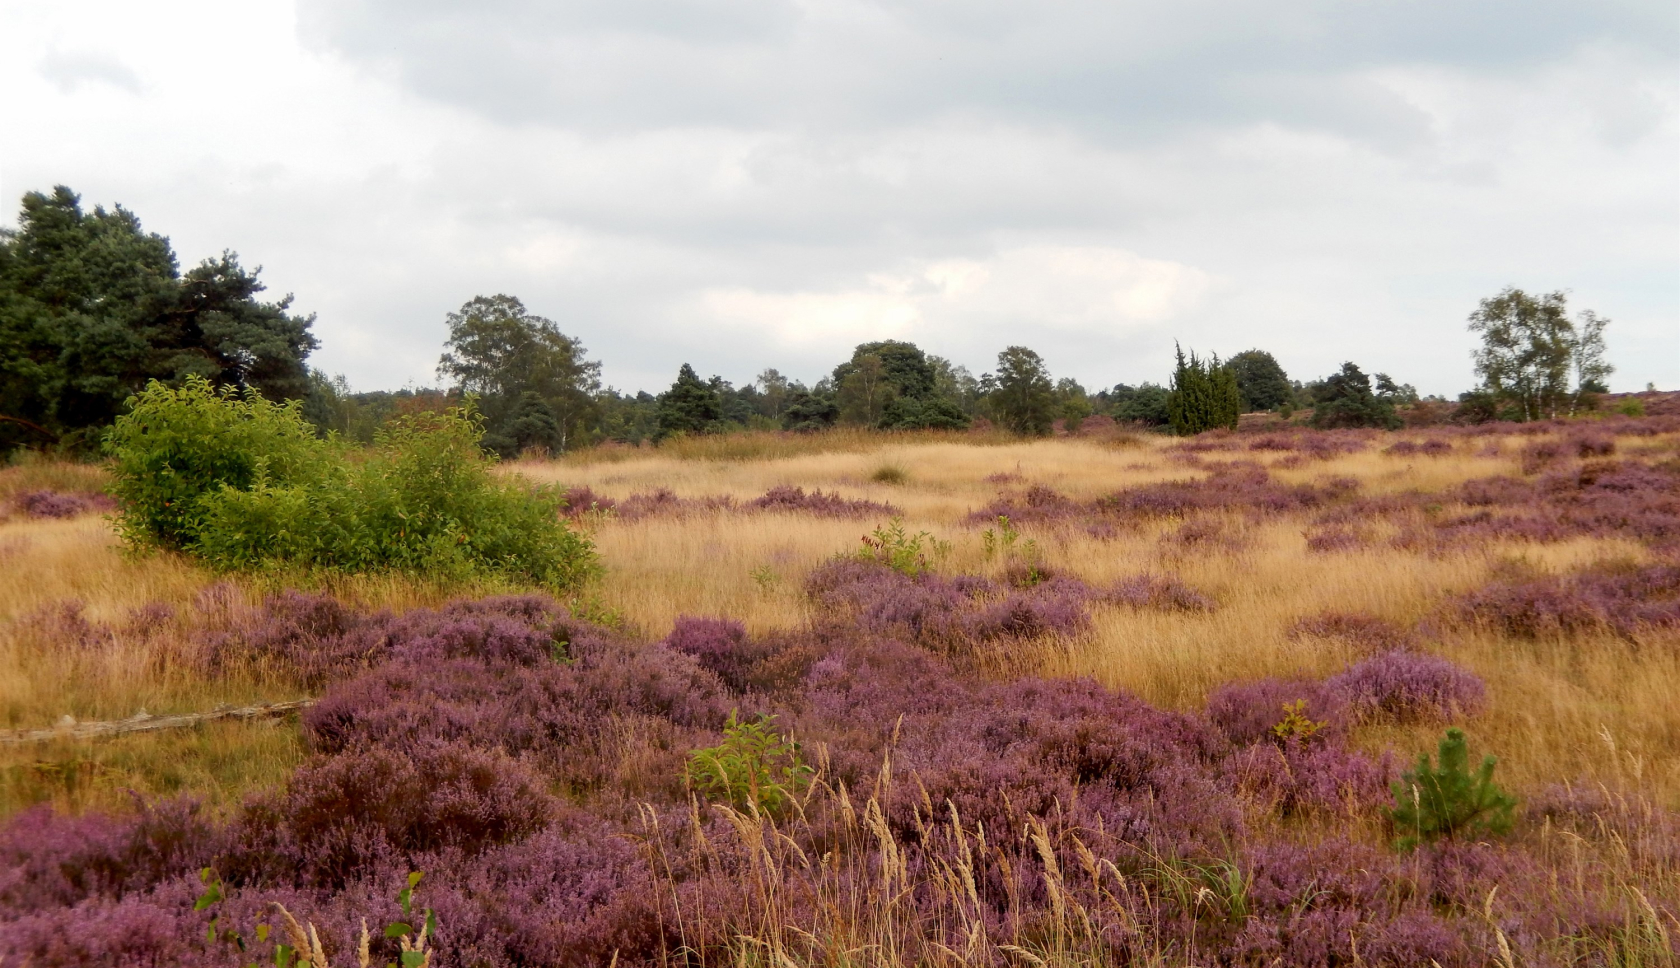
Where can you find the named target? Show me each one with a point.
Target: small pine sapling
(1447, 800)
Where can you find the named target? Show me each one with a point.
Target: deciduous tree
(1530, 350)
(1025, 398)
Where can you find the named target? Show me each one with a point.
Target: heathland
(863, 698)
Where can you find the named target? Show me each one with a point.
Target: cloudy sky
(749, 183)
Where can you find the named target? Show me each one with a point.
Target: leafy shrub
(1445, 800)
(179, 445)
(244, 483)
(753, 769)
(906, 553)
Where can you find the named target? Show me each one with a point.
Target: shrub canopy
(245, 483)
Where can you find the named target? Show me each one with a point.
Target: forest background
(93, 307)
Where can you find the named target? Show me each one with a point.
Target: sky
(742, 184)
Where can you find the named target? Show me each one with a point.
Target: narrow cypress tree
(1204, 395)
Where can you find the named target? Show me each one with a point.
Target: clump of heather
(1251, 712)
(1580, 445)
(1164, 593)
(1364, 633)
(794, 500)
(1605, 498)
(1434, 447)
(1331, 539)
(1408, 687)
(1626, 601)
(62, 504)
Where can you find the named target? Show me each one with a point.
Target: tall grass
(778, 444)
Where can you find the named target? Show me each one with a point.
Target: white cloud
(1057, 297)
(69, 70)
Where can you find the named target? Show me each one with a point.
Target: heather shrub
(48, 859)
(1164, 593)
(1625, 601)
(227, 478)
(753, 769)
(1428, 448)
(1251, 712)
(1408, 687)
(1326, 540)
(350, 815)
(61, 504)
(1365, 633)
(794, 500)
(718, 644)
(1296, 777)
(1603, 498)
(1444, 799)
(951, 614)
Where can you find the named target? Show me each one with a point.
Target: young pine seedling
(1446, 800)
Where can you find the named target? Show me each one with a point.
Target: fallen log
(143, 722)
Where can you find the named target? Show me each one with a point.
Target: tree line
(93, 308)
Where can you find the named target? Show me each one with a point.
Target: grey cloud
(1118, 70)
(69, 70)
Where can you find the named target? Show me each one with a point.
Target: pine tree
(691, 406)
(1447, 800)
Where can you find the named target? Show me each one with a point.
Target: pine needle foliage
(1204, 396)
(1447, 800)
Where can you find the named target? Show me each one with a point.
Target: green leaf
(397, 929)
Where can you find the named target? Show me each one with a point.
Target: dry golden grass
(1560, 711)
(1555, 712)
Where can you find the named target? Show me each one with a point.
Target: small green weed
(766, 578)
(1296, 724)
(1446, 800)
(1001, 539)
(754, 768)
(900, 550)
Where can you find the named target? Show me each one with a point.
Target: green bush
(244, 484)
(1447, 800)
(754, 768)
(177, 445)
(898, 549)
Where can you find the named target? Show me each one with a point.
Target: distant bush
(244, 483)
